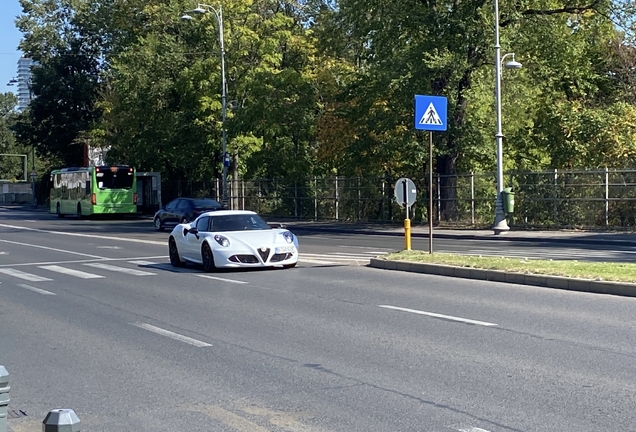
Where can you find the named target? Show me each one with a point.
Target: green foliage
(326, 87)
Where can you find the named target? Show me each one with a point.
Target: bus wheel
(58, 212)
(79, 211)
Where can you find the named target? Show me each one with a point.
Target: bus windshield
(121, 179)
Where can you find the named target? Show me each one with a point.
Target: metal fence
(556, 198)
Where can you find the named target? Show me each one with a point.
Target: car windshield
(203, 203)
(238, 222)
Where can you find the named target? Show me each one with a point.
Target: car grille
(264, 253)
(281, 257)
(245, 259)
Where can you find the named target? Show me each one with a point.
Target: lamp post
(500, 225)
(202, 9)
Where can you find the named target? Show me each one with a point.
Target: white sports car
(232, 238)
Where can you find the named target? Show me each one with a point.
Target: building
(24, 82)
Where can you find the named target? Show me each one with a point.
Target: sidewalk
(515, 234)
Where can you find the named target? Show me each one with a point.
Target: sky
(9, 39)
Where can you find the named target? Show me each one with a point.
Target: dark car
(183, 210)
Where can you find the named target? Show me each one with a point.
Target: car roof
(228, 213)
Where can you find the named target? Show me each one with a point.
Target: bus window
(115, 180)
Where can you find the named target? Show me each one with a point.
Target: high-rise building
(24, 82)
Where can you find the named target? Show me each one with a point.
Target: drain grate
(13, 414)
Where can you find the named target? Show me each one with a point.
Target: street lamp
(202, 9)
(500, 225)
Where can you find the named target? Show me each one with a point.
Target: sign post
(405, 194)
(430, 115)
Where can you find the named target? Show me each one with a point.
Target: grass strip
(607, 271)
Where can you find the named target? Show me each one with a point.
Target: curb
(582, 285)
(441, 235)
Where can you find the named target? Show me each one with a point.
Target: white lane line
(143, 263)
(436, 315)
(163, 243)
(71, 272)
(128, 271)
(173, 335)
(316, 261)
(51, 249)
(37, 290)
(108, 247)
(23, 275)
(222, 279)
(473, 429)
(75, 261)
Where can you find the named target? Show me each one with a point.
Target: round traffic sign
(405, 192)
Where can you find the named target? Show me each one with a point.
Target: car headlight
(289, 237)
(223, 241)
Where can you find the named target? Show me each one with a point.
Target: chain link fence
(556, 199)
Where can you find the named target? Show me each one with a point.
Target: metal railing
(555, 198)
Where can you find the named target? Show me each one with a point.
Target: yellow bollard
(407, 234)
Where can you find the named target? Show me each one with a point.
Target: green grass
(608, 271)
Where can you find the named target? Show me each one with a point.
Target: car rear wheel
(158, 225)
(207, 257)
(174, 254)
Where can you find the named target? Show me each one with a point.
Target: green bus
(93, 190)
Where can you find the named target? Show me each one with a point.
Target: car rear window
(205, 203)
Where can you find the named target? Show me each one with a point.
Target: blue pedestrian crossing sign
(430, 113)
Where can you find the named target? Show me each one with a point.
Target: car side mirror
(193, 231)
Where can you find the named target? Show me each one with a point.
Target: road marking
(71, 272)
(173, 335)
(37, 290)
(23, 275)
(108, 247)
(221, 279)
(143, 263)
(75, 261)
(132, 272)
(436, 315)
(51, 249)
(163, 243)
(316, 261)
(473, 429)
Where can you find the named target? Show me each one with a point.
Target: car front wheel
(158, 225)
(174, 254)
(207, 258)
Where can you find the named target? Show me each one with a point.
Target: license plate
(284, 249)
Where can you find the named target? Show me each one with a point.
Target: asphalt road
(93, 318)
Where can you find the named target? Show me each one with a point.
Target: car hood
(255, 238)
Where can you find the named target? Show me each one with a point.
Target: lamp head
(186, 17)
(513, 64)
(198, 10)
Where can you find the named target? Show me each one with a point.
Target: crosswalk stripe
(23, 275)
(304, 260)
(337, 257)
(71, 272)
(132, 272)
(143, 263)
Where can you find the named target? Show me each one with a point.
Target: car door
(167, 216)
(195, 241)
